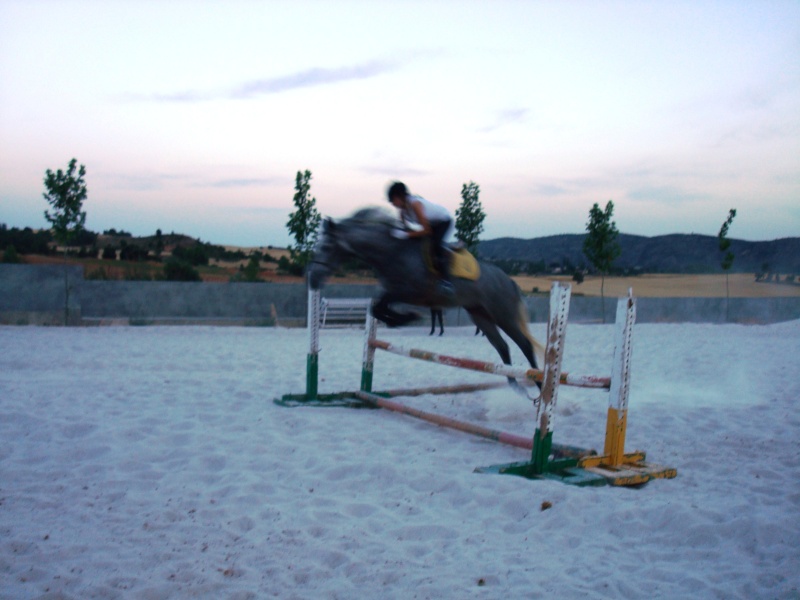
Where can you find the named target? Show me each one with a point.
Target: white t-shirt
(434, 212)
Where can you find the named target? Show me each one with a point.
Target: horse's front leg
(384, 313)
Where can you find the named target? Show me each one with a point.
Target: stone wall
(36, 294)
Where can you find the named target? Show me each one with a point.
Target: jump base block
(570, 475)
(589, 470)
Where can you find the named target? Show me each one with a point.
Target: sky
(195, 117)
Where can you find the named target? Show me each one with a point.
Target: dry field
(742, 285)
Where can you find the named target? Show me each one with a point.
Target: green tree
(727, 257)
(304, 222)
(10, 255)
(195, 255)
(65, 193)
(470, 216)
(179, 270)
(252, 269)
(600, 245)
(159, 243)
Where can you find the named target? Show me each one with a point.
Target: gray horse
(493, 301)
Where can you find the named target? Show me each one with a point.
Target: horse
(493, 300)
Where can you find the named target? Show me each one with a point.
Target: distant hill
(675, 253)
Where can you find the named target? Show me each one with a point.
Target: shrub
(194, 255)
(99, 274)
(177, 270)
(10, 255)
(251, 270)
(133, 252)
(290, 267)
(137, 274)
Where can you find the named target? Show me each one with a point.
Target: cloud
(239, 210)
(312, 78)
(664, 195)
(276, 85)
(508, 116)
(572, 186)
(244, 182)
(394, 172)
(144, 182)
(548, 190)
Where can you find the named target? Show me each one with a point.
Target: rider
(434, 220)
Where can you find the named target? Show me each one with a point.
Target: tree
(727, 258)
(10, 255)
(304, 222)
(469, 217)
(195, 255)
(251, 271)
(600, 245)
(179, 270)
(65, 193)
(132, 252)
(159, 243)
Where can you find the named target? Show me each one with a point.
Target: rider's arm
(422, 219)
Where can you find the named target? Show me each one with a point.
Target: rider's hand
(399, 234)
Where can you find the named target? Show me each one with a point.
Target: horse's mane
(374, 215)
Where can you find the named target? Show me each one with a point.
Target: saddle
(462, 264)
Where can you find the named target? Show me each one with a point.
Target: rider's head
(397, 193)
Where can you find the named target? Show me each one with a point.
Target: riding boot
(444, 275)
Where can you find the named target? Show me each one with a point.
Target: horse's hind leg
(522, 339)
(520, 334)
(488, 327)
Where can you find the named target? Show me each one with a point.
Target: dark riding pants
(440, 259)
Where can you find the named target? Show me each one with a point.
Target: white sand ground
(152, 463)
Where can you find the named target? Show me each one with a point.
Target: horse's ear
(328, 225)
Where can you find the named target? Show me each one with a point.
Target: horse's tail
(522, 322)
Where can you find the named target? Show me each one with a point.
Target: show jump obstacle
(569, 464)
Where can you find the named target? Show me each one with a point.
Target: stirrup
(447, 288)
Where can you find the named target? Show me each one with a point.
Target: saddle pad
(464, 265)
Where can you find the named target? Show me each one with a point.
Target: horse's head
(328, 254)
(365, 234)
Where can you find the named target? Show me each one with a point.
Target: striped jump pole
(459, 388)
(492, 434)
(529, 376)
(503, 437)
